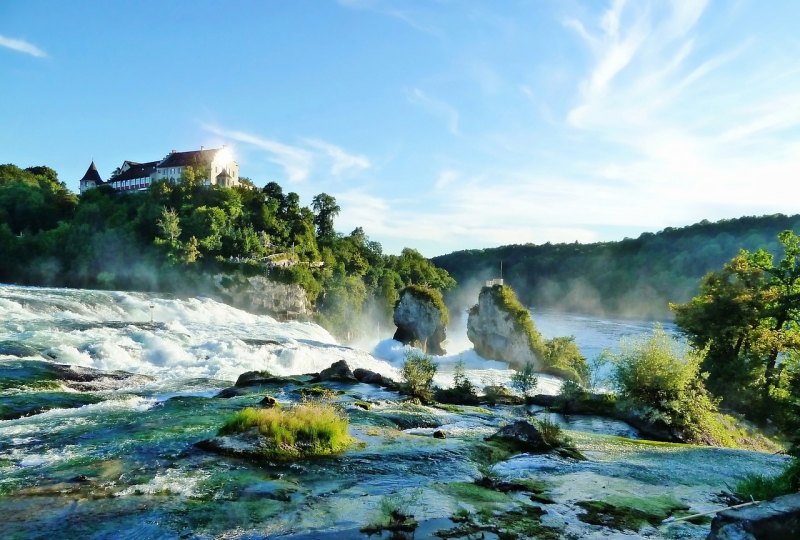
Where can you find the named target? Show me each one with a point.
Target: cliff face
(260, 295)
(496, 327)
(420, 320)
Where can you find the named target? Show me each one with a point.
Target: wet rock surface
(259, 294)
(775, 519)
(524, 435)
(338, 371)
(419, 321)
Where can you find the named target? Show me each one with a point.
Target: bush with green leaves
(463, 391)
(418, 372)
(571, 392)
(525, 380)
(563, 358)
(661, 378)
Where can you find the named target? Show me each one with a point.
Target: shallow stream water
(115, 457)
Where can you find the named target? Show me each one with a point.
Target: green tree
(169, 225)
(525, 380)
(326, 210)
(747, 315)
(191, 251)
(418, 372)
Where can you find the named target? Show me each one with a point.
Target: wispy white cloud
(20, 45)
(342, 161)
(685, 135)
(299, 162)
(437, 107)
(296, 162)
(446, 179)
(385, 8)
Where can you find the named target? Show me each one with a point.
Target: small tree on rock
(525, 381)
(418, 372)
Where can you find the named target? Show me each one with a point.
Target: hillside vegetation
(633, 277)
(174, 237)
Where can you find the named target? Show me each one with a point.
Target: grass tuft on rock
(761, 487)
(304, 430)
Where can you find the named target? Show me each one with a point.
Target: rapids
(117, 458)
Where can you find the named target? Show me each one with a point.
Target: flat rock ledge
(773, 519)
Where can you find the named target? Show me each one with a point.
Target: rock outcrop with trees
(499, 327)
(254, 247)
(421, 319)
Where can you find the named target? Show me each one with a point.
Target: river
(114, 456)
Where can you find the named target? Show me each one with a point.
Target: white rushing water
(193, 338)
(200, 338)
(127, 460)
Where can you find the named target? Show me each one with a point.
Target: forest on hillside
(173, 237)
(629, 278)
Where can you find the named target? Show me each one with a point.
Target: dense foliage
(748, 316)
(662, 382)
(173, 237)
(418, 372)
(633, 277)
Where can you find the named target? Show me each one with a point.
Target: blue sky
(437, 124)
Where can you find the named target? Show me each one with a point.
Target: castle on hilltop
(134, 176)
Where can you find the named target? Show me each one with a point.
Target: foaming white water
(171, 481)
(192, 338)
(47, 423)
(480, 371)
(199, 338)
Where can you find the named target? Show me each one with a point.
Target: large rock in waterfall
(258, 294)
(421, 318)
(501, 328)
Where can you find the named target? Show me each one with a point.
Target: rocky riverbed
(114, 453)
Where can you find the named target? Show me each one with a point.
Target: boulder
(368, 377)
(230, 392)
(338, 371)
(439, 434)
(421, 317)
(268, 402)
(256, 378)
(500, 328)
(435, 341)
(259, 294)
(17, 348)
(523, 435)
(773, 519)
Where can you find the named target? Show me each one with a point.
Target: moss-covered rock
(421, 318)
(630, 513)
(541, 437)
(501, 328)
(302, 431)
